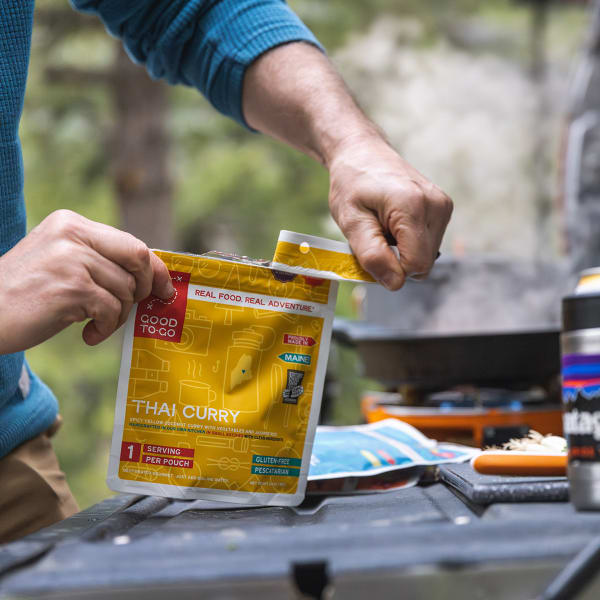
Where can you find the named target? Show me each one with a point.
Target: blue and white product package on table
(361, 451)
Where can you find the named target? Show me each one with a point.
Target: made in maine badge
(292, 357)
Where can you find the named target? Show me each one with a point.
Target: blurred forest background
(472, 92)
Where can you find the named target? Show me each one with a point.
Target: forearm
(294, 94)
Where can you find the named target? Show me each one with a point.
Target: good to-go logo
(163, 319)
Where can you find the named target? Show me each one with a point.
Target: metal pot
(481, 321)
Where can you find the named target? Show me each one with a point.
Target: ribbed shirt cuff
(232, 102)
(23, 419)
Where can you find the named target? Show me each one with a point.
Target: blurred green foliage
(226, 180)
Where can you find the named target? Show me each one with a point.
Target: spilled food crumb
(535, 442)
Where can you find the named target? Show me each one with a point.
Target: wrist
(359, 149)
(350, 139)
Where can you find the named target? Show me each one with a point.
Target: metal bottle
(580, 344)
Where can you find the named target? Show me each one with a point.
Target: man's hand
(293, 94)
(376, 196)
(70, 269)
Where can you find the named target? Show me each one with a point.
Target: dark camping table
(426, 542)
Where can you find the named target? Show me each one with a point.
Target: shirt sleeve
(207, 44)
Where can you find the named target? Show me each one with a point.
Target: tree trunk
(139, 151)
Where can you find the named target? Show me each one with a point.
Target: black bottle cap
(581, 311)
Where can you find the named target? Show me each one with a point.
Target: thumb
(161, 280)
(369, 244)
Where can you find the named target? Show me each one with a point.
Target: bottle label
(581, 399)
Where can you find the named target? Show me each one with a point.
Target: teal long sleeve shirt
(207, 44)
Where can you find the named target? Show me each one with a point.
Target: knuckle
(62, 253)
(96, 309)
(75, 285)
(65, 222)
(417, 194)
(114, 309)
(61, 214)
(108, 304)
(95, 312)
(443, 201)
(106, 310)
(447, 205)
(139, 252)
(131, 286)
(86, 288)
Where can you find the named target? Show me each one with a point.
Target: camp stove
(469, 415)
(475, 388)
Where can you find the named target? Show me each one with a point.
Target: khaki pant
(33, 490)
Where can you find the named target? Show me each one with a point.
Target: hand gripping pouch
(220, 386)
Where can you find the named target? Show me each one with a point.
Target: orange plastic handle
(512, 463)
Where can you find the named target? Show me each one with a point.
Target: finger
(104, 309)
(403, 214)
(438, 217)
(133, 255)
(116, 280)
(366, 238)
(112, 277)
(161, 280)
(125, 310)
(415, 247)
(407, 223)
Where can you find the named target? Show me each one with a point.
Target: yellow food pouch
(220, 386)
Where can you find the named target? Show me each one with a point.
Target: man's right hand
(293, 93)
(69, 269)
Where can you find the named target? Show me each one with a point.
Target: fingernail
(169, 291)
(390, 281)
